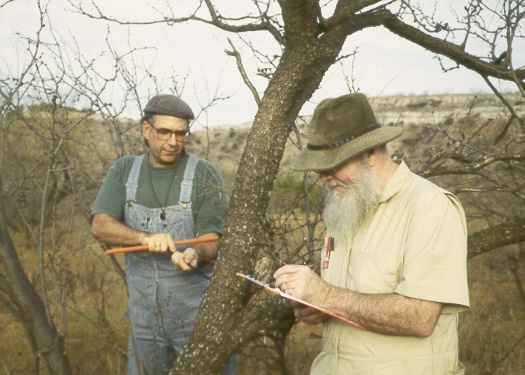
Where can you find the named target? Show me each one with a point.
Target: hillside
(51, 231)
(223, 144)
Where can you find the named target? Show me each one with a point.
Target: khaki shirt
(415, 245)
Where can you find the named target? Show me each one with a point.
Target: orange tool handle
(145, 247)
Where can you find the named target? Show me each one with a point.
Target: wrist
(142, 238)
(326, 294)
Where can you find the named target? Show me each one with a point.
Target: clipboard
(285, 295)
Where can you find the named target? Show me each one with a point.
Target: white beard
(346, 212)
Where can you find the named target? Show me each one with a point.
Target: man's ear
(145, 129)
(371, 157)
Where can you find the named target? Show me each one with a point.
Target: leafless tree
(17, 294)
(52, 165)
(58, 105)
(310, 35)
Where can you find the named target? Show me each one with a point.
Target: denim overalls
(163, 301)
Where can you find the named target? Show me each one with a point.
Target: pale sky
(385, 64)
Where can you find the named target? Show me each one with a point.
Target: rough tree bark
(26, 306)
(231, 315)
(227, 318)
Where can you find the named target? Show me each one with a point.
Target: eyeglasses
(165, 134)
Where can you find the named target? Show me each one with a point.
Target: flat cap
(170, 105)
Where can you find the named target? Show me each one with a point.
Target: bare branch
(452, 51)
(513, 113)
(471, 166)
(244, 76)
(5, 3)
(497, 236)
(216, 20)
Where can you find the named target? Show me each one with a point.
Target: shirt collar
(395, 182)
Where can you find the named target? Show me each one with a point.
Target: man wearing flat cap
(394, 257)
(155, 199)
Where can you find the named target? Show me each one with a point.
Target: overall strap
(187, 180)
(133, 178)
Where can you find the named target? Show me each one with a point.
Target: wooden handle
(145, 247)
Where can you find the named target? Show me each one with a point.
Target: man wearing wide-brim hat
(394, 259)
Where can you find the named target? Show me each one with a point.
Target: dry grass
(491, 332)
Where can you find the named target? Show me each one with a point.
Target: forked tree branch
(244, 75)
(452, 51)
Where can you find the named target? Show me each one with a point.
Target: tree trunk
(29, 307)
(226, 320)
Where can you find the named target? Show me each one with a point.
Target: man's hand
(307, 314)
(301, 282)
(158, 242)
(185, 261)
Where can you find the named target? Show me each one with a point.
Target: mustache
(335, 183)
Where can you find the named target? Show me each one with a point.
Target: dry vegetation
(492, 332)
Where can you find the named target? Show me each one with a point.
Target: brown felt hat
(170, 105)
(342, 128)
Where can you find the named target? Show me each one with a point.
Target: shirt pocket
(138, 219)
(373, 270)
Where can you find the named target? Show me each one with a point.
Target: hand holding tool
(145, 247)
